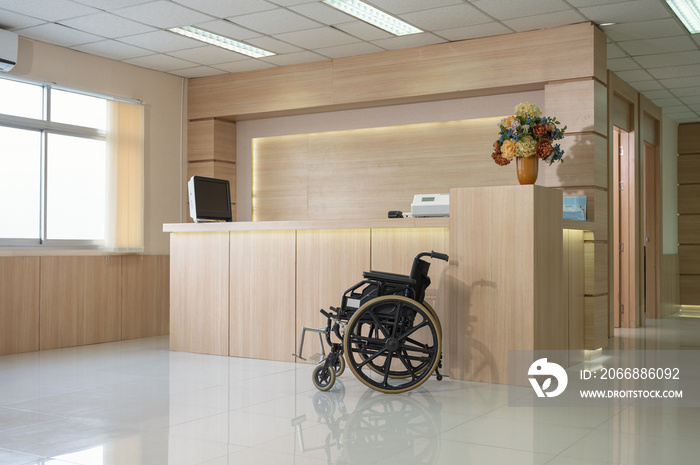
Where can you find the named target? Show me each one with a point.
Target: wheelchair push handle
(433, 254)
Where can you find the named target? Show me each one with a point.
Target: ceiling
(647, 46)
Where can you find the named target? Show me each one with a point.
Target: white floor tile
(138, 403)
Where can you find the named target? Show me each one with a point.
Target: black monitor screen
(212, 198)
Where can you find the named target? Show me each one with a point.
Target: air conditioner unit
(9, 42)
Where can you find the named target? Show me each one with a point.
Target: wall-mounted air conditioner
(9, 42)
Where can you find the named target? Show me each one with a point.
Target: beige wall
(163, 97)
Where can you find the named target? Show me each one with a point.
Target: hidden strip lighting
(688, 11)
(221, 41)
(373, 16)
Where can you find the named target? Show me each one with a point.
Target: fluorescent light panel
(373, 16)
(688, 11)
(221, 41)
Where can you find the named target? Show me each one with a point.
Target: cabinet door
(262, 295)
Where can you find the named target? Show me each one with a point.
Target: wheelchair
(388, 336)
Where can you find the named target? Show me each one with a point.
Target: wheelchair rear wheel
(393, 344)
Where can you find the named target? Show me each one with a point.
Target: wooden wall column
(689, 213)
(211, 152)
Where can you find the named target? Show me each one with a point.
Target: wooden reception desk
(245, 289)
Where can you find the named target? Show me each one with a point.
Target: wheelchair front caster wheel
(323, 377)
(339, 365)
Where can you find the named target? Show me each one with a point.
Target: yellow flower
(525, 147)
(526, 109)
(508, 149)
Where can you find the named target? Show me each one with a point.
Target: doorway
(623, 230)
(652, 232)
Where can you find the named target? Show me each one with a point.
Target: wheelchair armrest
(388, 277)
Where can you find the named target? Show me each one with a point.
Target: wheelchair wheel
(393, 344)
(339, 366)
(323, 377)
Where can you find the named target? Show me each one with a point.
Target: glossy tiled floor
(135, 402)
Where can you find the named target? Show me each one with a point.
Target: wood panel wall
(365, 173)
(64, 301)
(689, 213)
(211, 152)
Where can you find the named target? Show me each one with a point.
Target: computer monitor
(210, 199)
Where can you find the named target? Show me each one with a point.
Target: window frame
(45, 127)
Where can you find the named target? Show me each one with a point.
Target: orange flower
(540, 130)
(508, 149)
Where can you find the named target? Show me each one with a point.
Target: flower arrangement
(527, 133)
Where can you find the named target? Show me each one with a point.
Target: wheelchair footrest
(316, 358)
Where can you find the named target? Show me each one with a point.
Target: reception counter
(246, 289)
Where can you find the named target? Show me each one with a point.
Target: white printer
(430, 205)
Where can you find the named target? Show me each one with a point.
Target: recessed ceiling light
(606, 24)
(221, 41)
(373, 16)
(688, 11)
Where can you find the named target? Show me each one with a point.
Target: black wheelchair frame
(389, 337)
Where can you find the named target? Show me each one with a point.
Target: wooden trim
(433, 72)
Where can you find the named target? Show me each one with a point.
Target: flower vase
(526, 168)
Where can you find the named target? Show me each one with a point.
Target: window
(59, 168)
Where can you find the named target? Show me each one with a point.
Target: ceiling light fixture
(221, 41)
(688, 11)
(373, 16)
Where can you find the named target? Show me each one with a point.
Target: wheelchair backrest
(419, 272)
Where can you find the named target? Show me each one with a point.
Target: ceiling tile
(294, 58)
(447, 17)
(686, 91)
(668, 59)
(160, 62)
(315, 38)
(634, 75)
(10, 20)
(654, 46)
(668, 102)
(208, 55)
(224, 8)
(676, 71)
(508, 9)
(361, 48)
(412, 40)
(113, 49)
(321, 12)
(55, 10)
(680, 82)
(622, 64)
(583, 3)
(275, 22)
(542, 21)
(289, 2)
(244, 65)
(110, 5)
(695, 99)
(658, 94)
(163, 14)
(58, 35)
(643, 86)
(273, 45)
(397, 7)
(627, 12)
(473, 32)
(161, 41)
(667, 27)
(107, 25)
(614, 51)
(228, 29)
